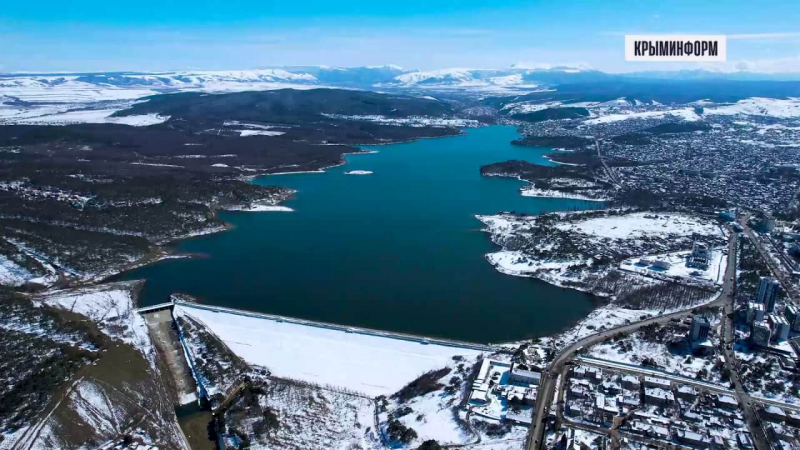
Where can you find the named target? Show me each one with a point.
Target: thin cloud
(765, 36)
(787, 35)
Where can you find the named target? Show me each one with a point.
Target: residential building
(692, 438)
(744, 440)
(792, 316)
(726, 402)
(700, 328)
(630, 382)
(755, 312)
(654, 382)
(760, 333)
(773, 413)
(780, 432)
(657, 396)
(687, 392)
(766, 224)
(767, 293)
(780, 327)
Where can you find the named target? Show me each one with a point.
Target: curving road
(558, 365)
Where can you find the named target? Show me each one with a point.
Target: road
(727, 338)
(640, 370)
(611, 175)
(549, 377)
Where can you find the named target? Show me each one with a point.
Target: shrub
(427, 382)
(398, 432)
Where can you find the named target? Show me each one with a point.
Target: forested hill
(289, 106)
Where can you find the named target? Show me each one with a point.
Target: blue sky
(95, 35)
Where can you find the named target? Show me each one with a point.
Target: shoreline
(166, 253)
(541, 193)
(533, 191)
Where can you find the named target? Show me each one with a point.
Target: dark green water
(398, 250)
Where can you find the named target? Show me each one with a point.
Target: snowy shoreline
(569, 271)
(532, 191)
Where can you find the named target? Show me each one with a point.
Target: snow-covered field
(642, 225)
(311, 417)
(111, 307)
(516, 263)
(90, 116)
(412, 121)
(550, 256)
(11, 274)
(374, 365)
(245, 133)
(759, 106)
(265, 208)
(678, 268)
(687, 114)
(676, 358)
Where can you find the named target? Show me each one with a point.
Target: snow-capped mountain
(110, 86)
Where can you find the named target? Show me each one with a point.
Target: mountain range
(386, 77)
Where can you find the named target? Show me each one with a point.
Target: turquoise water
(398, 250)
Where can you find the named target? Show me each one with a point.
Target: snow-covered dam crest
(360, 360)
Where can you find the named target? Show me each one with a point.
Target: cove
(397, 250)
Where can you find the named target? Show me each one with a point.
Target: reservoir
(398, 250)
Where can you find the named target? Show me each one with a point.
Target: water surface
(398, 250)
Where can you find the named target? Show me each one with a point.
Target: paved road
(549, 376)
(727, 338)
(611, 175)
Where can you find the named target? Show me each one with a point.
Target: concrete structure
(766, 224)
(630, 382)
(792, 316)
(727, 216)
(593, 374)
(700, 328)
(654, 382)
(778, 432)
(767, 293)
(522, 418)
(482, 386)
(692, 438)
(773, 413)
(755, 312)
(687, 392)
(700, 256)
(760, 333)
(661, 264)
(519, 375)
(726, 402)
(780, 327)
(659, 397)
(744, 440)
